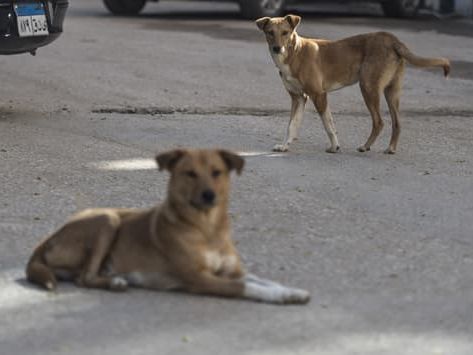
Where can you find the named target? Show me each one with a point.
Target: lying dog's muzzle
(206, 200)
(208, 197)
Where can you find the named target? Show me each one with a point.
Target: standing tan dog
(313, 67)
(184, 244)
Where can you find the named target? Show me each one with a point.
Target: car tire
(400, 8)
(253, 9)
(124, 7)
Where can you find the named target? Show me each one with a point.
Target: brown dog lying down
(184, 244)
(312, 68)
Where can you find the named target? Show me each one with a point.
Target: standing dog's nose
(208, 197)
(276, 49)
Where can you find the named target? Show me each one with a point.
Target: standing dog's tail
(38, 272)
(404, 52)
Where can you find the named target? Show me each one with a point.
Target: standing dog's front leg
(297, 113)
(321, 104)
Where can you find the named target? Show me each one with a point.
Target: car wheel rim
(271, 5)
(410, 5)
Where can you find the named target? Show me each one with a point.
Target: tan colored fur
(313, 67)
(184, 244)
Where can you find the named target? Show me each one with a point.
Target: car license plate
(31, 19)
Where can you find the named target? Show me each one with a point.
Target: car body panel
(12, 43)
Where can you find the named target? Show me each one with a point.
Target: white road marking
(147, 164)
(127, 164)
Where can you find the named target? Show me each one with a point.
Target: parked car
(26, 25)
(258, 8)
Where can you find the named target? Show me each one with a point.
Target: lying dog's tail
(404, 52)
(38, 272)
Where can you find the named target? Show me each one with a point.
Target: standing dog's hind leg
(371, 97)
(297, 114)
(392, 94)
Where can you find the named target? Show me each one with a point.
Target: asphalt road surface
(384, 243)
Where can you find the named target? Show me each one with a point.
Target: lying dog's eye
(285, 33)
(216, 173)
(191, 174)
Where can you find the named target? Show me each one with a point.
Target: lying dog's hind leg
(89, 277)
(321, 104)
(297, 114)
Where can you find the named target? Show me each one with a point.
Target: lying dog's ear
(293, 20)
(167, 160)
(262, 22)
(232, 160)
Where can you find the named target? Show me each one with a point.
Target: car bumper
(11, 43)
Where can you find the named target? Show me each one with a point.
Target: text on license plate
(31, 19)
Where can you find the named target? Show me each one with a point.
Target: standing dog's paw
(333, 149)
(118, 284)
(389, 151)
(281, 148)
(363, 149)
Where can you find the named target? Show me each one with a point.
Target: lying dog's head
(279, 31)
(199, 178)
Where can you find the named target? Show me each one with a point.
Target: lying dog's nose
(208, 196)
(276, 49)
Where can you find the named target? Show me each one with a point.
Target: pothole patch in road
(213, 30)
(439, 112)
(434, 112)
(226, 111)
(257, 112)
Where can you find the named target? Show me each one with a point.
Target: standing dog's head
(279, 31)
(199, 178)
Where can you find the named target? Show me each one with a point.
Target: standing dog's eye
(285, 33)
(271, 33)
(216, 173)
(191, 174)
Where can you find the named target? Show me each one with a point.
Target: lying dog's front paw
(272, 292)
(281, 148)
(118, 284)
(296, 296)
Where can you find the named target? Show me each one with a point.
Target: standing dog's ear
(262, 22)
(293, 20)
(167, 160)
(232, 160)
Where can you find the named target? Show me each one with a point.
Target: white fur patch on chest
(290, 82)
(218, 262)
